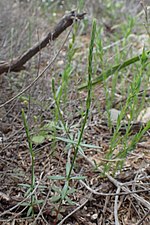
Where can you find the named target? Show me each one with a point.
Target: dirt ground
(22, 24)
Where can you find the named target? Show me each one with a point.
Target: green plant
(114, 69)
(32, 155)
(63, 194)
(128, 141)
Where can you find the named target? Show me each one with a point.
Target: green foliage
(114, 72)
(63, 194)
(32, 185)
(116, 68)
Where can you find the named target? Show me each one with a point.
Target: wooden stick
(18, 63)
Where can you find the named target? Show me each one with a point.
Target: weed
(32, 155)
(63, 194)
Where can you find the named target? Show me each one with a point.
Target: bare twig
(75, 210)
(116, 207)
(39, 76)
(40, 210)
(95, 192)
(117, 183)
(146, 215)
(18, 63)
(14, 207)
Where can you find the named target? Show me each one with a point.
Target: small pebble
(94, 216)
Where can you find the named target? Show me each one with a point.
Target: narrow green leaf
(29, 212)
(25, 203)
(75, 142)
(27, 132)
(41, 187)
(78, 178)
(57, 177)
(38, 139)
(25, 185)
(64, 190)
(56, 189)
(81, 150)
(68, 166)
(69, 201)
(71, 191)
(55, 198)
(40, 201)
(144, 57)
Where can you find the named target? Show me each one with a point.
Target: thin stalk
(32, 158)
(88, 101)
(114, 69)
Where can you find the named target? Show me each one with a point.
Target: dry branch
(17, 64)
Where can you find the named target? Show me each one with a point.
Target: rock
(144, 116)
(94, 216)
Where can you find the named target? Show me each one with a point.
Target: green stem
(114, 69)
